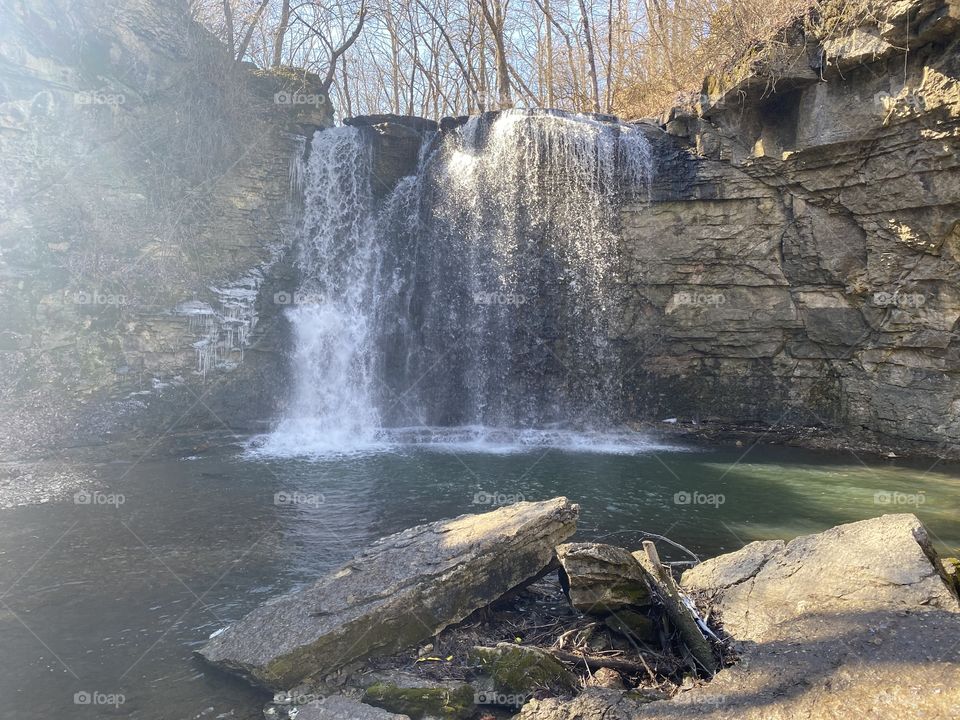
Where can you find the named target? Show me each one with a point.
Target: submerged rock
(401, 590)
(338, 707)
(602, 578)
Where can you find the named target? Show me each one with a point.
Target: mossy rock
(951, 566)
(453, 702)
(299, 92)
(519, 669)
(288, 78)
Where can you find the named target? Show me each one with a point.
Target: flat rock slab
(854, 622)
(401, 590)
(878, 565)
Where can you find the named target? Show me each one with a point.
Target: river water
(112, 598)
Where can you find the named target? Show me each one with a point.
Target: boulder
(602, 579)
(401, 590)
(856, 621)
(878, 565)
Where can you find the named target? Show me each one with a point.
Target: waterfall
(478, 294)
(332, 313)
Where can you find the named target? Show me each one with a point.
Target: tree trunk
(281, 33)
(591, 58)
(245, 43)
(496, 18)
(228, 21)
(551, 100)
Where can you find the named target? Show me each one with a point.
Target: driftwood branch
(675, 544)
(678, 608)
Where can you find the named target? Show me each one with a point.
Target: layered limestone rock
(799, 261)
(401, 590)
(602, 579)
(146, 213)
(856, 621)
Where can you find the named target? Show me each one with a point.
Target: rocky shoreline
(717, 433)
(495, 615)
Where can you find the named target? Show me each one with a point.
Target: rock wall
(145, 217)
(798, 263)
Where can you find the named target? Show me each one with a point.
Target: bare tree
(435, 57)
(591, 57)
(281, 34)
(494, 12)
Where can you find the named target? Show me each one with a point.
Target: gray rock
(732, 568)
(401, 590)
(819, 271)
(592, 703)
(852, 622)
(880, 564)
(602, 578)
(338, 707)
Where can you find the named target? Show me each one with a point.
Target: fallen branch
(679, 608)
(594, 662)
(678, 546)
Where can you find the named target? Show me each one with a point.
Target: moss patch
(519, 669)
(453, 703)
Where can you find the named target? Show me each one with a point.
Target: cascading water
(476, 295)
(332, 406)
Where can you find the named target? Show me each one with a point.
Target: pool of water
(109, 597)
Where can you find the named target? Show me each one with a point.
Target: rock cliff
(145, 218)
(797, 265)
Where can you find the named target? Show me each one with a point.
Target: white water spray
(332, 407)
(476, 296)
